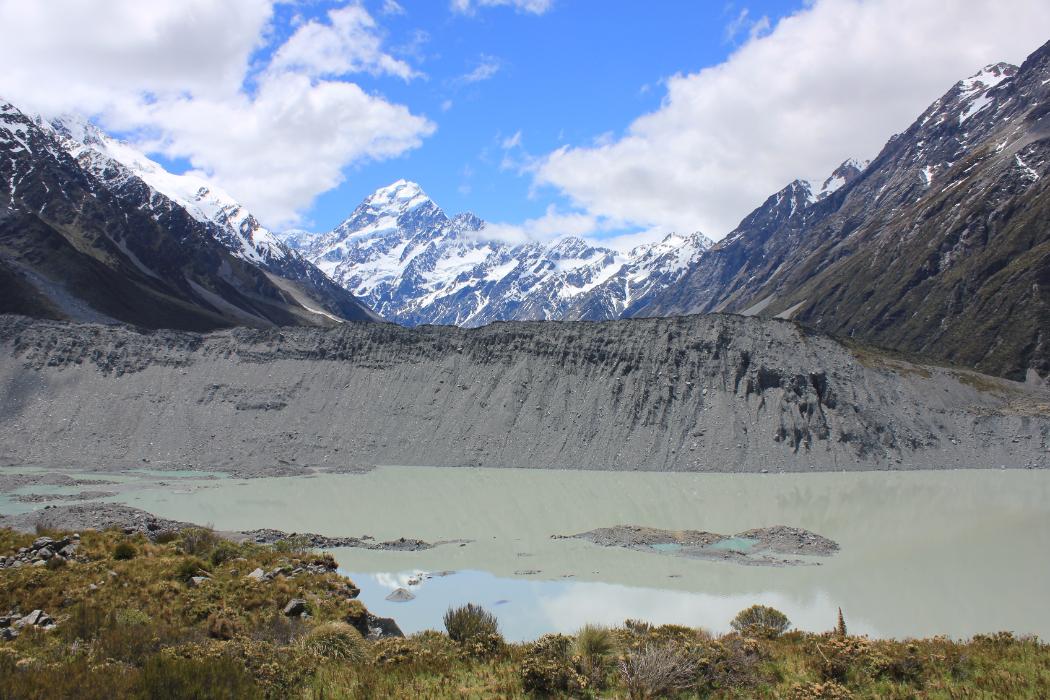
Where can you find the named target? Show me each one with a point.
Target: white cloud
(348, 43)
(536, 7)
(487, 67)
(552, 224)
(185, 74)
(512, 141)
(832, 81)
(392, 7)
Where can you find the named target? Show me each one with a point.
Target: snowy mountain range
(402, 255)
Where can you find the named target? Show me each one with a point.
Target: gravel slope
(700, 393)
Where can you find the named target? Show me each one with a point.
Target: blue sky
(568, 76)
(616, 120)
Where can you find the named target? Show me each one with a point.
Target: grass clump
(468, 622)
(336, 641)
(124, 551)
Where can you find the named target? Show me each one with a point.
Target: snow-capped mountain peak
(401, 196)
(401, 254)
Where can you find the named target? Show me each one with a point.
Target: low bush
(469, 621)
(124, 551)
(549, 669)
(657, 671)
(190, 567)
(761, 621)
(223, 552)
(198, 541)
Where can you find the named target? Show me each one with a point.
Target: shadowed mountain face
(99, 244)
(940, 246)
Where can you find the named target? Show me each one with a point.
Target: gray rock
(257, 575)
(295, 606)
(8, 633)
(198, 581)
(37, 617)
(401, 595)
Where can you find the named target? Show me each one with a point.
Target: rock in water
(401, 595)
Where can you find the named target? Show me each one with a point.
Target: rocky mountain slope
(403, 256)
(83, 237)
(703, 393)
(940, 246)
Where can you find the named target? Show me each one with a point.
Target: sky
(619, 121)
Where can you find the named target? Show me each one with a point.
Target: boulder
(257, 575)
(34, 619)
(295, 606)
(198, 581)
(8, 633)
(401, 595)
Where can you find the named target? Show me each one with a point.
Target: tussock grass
(134, 629)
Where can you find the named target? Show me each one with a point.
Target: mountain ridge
(938, 247)
(402, 254)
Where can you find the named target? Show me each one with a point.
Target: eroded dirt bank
(701, 393)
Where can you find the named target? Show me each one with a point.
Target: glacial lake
(922, 553)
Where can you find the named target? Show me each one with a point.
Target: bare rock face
(704, 393)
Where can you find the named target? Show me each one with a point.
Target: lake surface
(953, 552)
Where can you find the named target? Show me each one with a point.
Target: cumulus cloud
(185, 76)
(552, 224)
(834, 80)
(536, 7)
(347, 43)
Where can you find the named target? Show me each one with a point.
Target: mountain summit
(402, 255)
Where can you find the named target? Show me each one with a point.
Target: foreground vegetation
(182, 618)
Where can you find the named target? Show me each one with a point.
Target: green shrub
(190, 567)
(336, 641)
(124, 551)
(549, 669)
(469, 621)
(198, 541)
(223, 552)
(761, 621)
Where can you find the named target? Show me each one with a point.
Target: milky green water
(954, 552)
